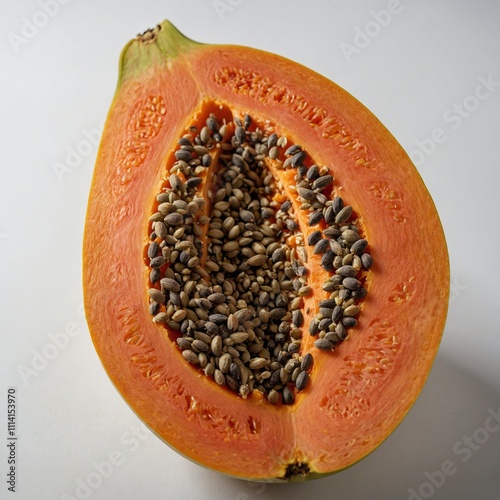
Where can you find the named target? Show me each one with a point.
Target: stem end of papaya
(156, 46)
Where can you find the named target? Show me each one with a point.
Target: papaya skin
(361, 391)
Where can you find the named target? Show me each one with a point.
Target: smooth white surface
(57, 86)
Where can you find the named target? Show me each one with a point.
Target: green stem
(157, 46)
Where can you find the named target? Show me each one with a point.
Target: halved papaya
(265, 274)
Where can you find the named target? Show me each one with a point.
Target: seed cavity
(228, 260)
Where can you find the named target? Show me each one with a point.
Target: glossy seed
(272, 140)
(356, 262)
(200, 345)
(154, 308)
(351, 311)
(359, 293)
(332, 337)
(175, 180)
(306, 194)
(325, 323)
(274, 153)
(326, 312)
(322, 182)
(294, 149)
(298, 158)
(312, 173)
(239, 337)
(219, 377)
(243, 315)
(156, 295)
(285, 205)
(347, 271)
(170, 284)
(351, 283)
(212, 124)
(231, 246)
(321, 246)
(232, 383)
(291, 364)
(337, 313)
(343, 215)
(313, 327)
(329, 215)
(278, 255)
(297, 318)
(257, 260)
(246, 216)
(307, 362)
(273, 397)
(358, 246)
(337, 204)
(179, 315)
(302, 381)
(157, 261)
(216, 345)
(323, 345)
(313, 238)
(154, 275)
(206, 160)
(336, 247)
(315, 218)
(240, 134)
(288, 397)
(235, 371)
(193, 182)
(182, 154)
(216, 298)
(232, 322)
(202, 359)
(209, 370)
(161, 317)
(331, 232)
(225, 362)
(205, 135)
(203, 337)
(257, 363)
(247, 120)
(340, 330)
(183, 343)
(153, 249)
(190, 356)
(329, 303)
(350, 236)
(367, 260)
(239, 161)
(301, 172)
(327, 258)
(160, 229)
(349, 322)
(174, 219)
(277, 313)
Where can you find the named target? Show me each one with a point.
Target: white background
(57, 82)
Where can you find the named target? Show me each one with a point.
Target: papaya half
(265, 274)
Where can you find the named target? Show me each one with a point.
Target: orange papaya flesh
(359, 392)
